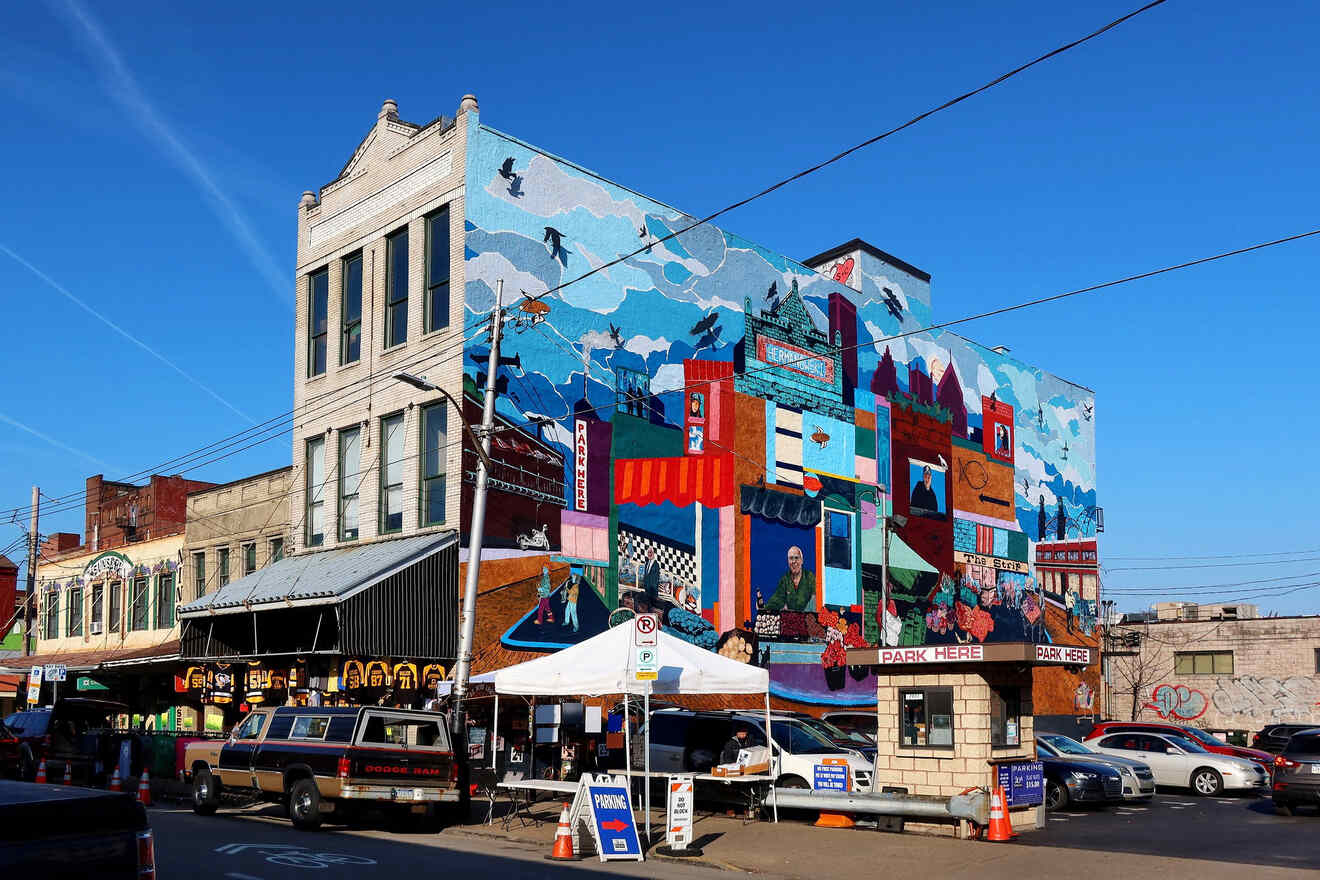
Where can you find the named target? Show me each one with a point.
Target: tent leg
(627, 747)
(646, 758)
(494, 731)
(774, 791)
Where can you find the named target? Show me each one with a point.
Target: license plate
(1315, 768)
(418, 794)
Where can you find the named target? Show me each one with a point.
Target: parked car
(1077, 780)
(1273, 737)
(76, 732)
(688, 741)
(322, 759)
(852, 742)
(861, 723)
(1207, 741)
(1180, 762)
(59, 832)
(1297, 772)
(1138, 778)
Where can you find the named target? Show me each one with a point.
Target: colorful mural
(737, 429)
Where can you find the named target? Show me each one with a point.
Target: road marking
(1058, 819)
(237, 876)
(1182, 803)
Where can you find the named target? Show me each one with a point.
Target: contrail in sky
(53, 442)
(124, 88)
(122, 332)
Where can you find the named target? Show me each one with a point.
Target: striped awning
(681, 480)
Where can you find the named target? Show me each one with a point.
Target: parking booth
(956, 717)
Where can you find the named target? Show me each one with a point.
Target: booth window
(925, 718)
(1005, 717)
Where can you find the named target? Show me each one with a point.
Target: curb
(478, 832)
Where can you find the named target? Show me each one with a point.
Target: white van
(688, 741)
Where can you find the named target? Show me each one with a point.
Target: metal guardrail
(973, 806)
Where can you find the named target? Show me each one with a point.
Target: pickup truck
(340, 760)
(59, 832)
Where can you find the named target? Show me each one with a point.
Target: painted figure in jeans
(543, 594)
(571, 599)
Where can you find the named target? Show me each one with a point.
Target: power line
(1221, 556)
(1212, 565)
(866, 143)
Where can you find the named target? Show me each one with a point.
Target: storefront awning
(900, 554)
(683, 479)
(1022, 653)
(102, 658)
(784, 507)
(395, 598)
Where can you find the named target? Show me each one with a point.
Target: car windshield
(1205, 739)
(1304, 744)
(836, 733)
(1187, 745)
(797, 738)
(1066, 745)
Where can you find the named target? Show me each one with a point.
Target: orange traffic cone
(116, 784)
(41, 772)
(68, 773)
(1001, 827)
(563, 851)
(144, 788)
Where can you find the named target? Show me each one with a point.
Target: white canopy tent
(604, 664)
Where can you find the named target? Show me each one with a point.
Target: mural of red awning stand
(681, 480)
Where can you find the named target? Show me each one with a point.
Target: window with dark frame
(75, 613)
(98, 606)
(350, 310)
(318, 306)
(52, 614)
(391, 474)
(437, 270)
(431, 496)
(838, 539)
(199, 574)
(1203, 663)
(396, 288)
(1005, 717)
(314, 512)
(350, 481)
(276, 549)
(249, 558)
(116, 604)
(925, 718)
(165, 601)
(222, 565)
(138, 603)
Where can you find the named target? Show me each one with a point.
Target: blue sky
(155, 157)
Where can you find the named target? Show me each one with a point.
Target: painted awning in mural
(900, 554)
(784, 507)
(681, 480)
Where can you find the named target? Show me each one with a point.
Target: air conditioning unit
(95, 628)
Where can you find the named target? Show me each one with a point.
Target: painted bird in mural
(643, 232)
(1040, 417)
(704, 324)
(515, 187)
(506, 170)
(772, 296)
(709, 340)
(555, 238)
(819, 437)
(1088, 411)
(616, 337)
(892, 304)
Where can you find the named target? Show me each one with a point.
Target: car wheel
(205, 797)
(791, 782)
(1056, 795)
(305, 805)
(1207, 782)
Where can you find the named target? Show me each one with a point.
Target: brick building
(234, 529)
(1216, 667)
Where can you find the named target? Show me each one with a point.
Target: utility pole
(476, 530)
(29, 607)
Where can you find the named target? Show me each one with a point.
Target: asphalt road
(1242, 830)
(243, 846)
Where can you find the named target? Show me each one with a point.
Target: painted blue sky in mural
(1142, 150)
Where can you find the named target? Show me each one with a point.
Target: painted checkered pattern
(676, 565)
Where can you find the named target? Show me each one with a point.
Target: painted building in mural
(703, 428)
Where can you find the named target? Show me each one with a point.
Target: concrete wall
(1274, 678)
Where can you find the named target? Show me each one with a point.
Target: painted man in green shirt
(797, 588)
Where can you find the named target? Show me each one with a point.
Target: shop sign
(991, 562)
(932, 654)
(1023, 783)
(109, 565)
(87, 683)
(580, 464)
(678, 831)
(1063, 654)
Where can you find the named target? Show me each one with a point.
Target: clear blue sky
(154, 158)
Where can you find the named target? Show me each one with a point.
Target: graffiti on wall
(1177, 702)
(747, 443)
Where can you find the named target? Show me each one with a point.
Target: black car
(1079, 781)
(1297, 773)
(1273, 737)
(59, 832)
